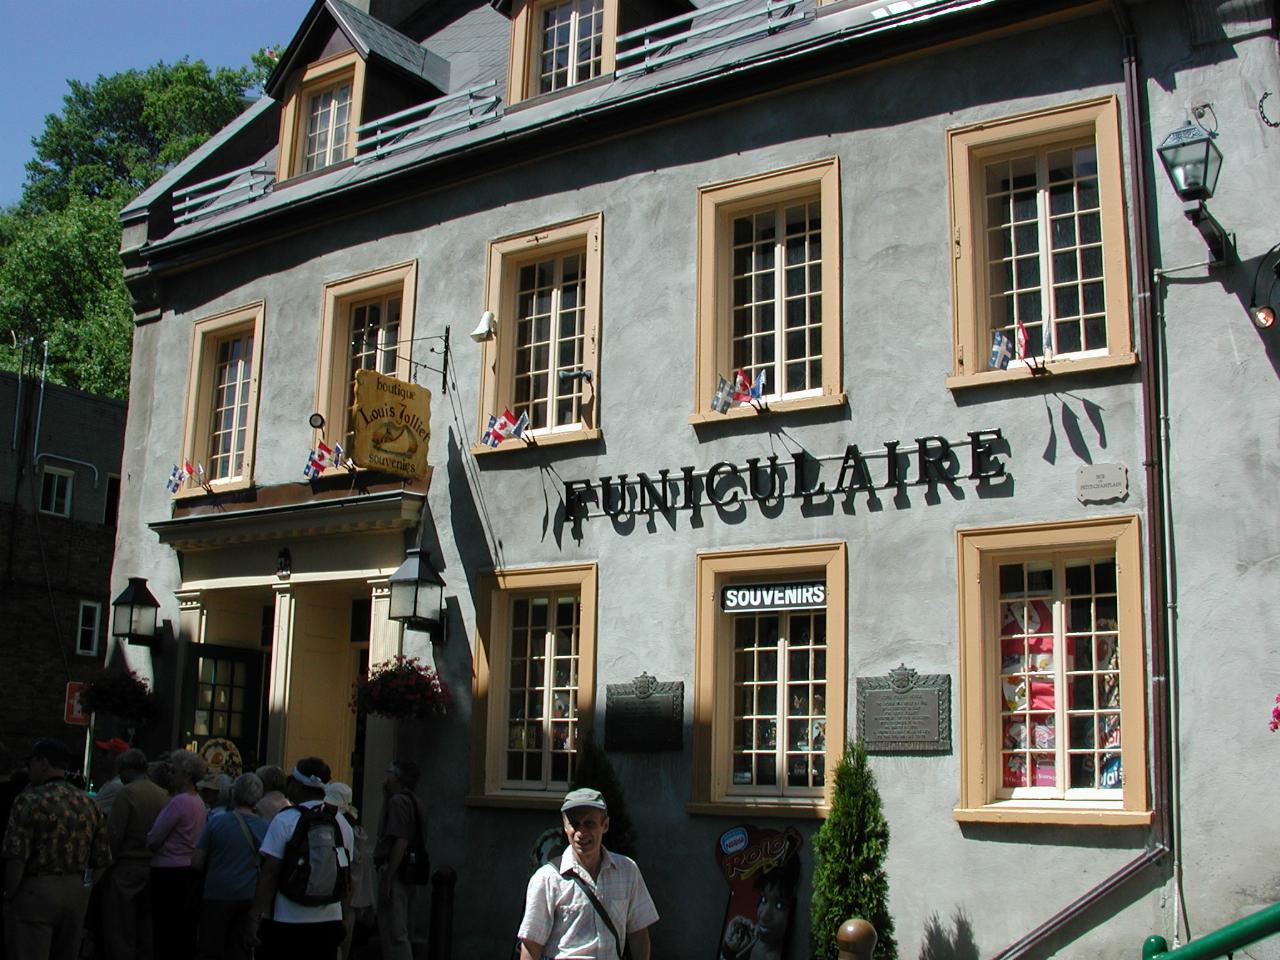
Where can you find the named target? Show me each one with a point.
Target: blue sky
(44, 44)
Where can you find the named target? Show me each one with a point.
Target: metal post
(857, 940)
(440, 941)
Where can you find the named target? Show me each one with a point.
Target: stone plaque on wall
(905, 712)
(644, 715)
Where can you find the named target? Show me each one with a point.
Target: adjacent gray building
(866, 376)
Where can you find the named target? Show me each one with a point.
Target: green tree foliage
(593, 769)
(119, 134)
(61, 281)
(849, 850)
(60, 274)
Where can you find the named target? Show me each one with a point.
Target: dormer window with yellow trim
(320, 116)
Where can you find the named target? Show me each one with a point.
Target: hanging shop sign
(391, 420)
(762, 597)
(931, 461)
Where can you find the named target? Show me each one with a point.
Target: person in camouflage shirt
(55, 834)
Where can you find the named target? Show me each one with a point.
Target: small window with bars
(551, 314)
(1060, 715)
(229, 417)
(779, 704)
(221, 697)
(542, 694)
(571, 43)
(1044, 252)
(776, 282)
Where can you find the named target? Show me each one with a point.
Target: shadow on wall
(1071, 426)
(958, 943)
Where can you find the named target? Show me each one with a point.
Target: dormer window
(571, 43)
(328, 124)
(321, 113)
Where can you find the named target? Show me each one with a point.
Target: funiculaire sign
(933, 460)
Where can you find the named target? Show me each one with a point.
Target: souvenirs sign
(392, 424)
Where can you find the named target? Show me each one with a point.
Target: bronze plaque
(392, 424)
(905, 712)
(644, 715)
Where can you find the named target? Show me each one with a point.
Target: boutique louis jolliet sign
(929, 461)
(392, 424)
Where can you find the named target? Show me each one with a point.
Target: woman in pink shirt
(175, 886)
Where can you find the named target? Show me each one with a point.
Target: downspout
(35, 449)
(1158, 610)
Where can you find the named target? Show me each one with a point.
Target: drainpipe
(1159, 610)
(35, 449)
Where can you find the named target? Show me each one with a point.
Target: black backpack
(316, 869)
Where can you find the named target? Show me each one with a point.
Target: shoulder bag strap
(604, 914)
(248, 837)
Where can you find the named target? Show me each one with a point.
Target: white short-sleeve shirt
(273, 844)
(558, 914)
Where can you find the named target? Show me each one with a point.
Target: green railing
(1220, 943)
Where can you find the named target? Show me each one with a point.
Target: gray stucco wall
(887, 126)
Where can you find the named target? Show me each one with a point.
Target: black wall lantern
(417, 596)
(1193, 161)
(134, 614)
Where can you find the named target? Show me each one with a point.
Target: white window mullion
(1044, 222)
(775, 387)
(1061, 718)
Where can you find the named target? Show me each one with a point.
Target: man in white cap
(592, 904)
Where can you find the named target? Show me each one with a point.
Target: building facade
(61, 486)
(846, 340)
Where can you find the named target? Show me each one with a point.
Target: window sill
(777, 407)
(515, 801)
(1052, 368)
(216, 486)
(581, 435)
(761, 807)
(1010, 812)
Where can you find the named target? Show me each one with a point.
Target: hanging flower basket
(124, 695)
(401, 688)
(1275, 715)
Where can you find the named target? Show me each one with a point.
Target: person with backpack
(305, 877)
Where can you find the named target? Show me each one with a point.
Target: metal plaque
(905, 712)
(1102, 482)
(644, 715)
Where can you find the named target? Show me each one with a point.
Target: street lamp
(417, 596)
(1193, 161)
(134, 614)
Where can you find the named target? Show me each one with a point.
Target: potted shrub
(121, 694)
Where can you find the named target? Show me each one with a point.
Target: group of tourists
(166, 860)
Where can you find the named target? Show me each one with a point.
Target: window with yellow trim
(1040, 273)
(535, 679)
(560, 43)
(222, 399)
(320, 114)
(769, 287)
(367, 325)
(544, 288)
(769, 700)
(1052, 672)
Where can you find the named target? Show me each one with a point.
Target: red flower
(400, 688)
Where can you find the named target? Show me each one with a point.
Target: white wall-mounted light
(486, 329)
(1193, 161)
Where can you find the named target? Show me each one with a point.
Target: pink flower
(1275, 715)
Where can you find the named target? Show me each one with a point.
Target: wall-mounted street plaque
(644, 715)
(905, 712)
(1102, 482)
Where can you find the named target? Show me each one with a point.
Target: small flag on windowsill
(722, 400)
(503, 428)
(176, 476)
(317, 461)
(746, 390)
(1001, 351)
(1023, 339)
